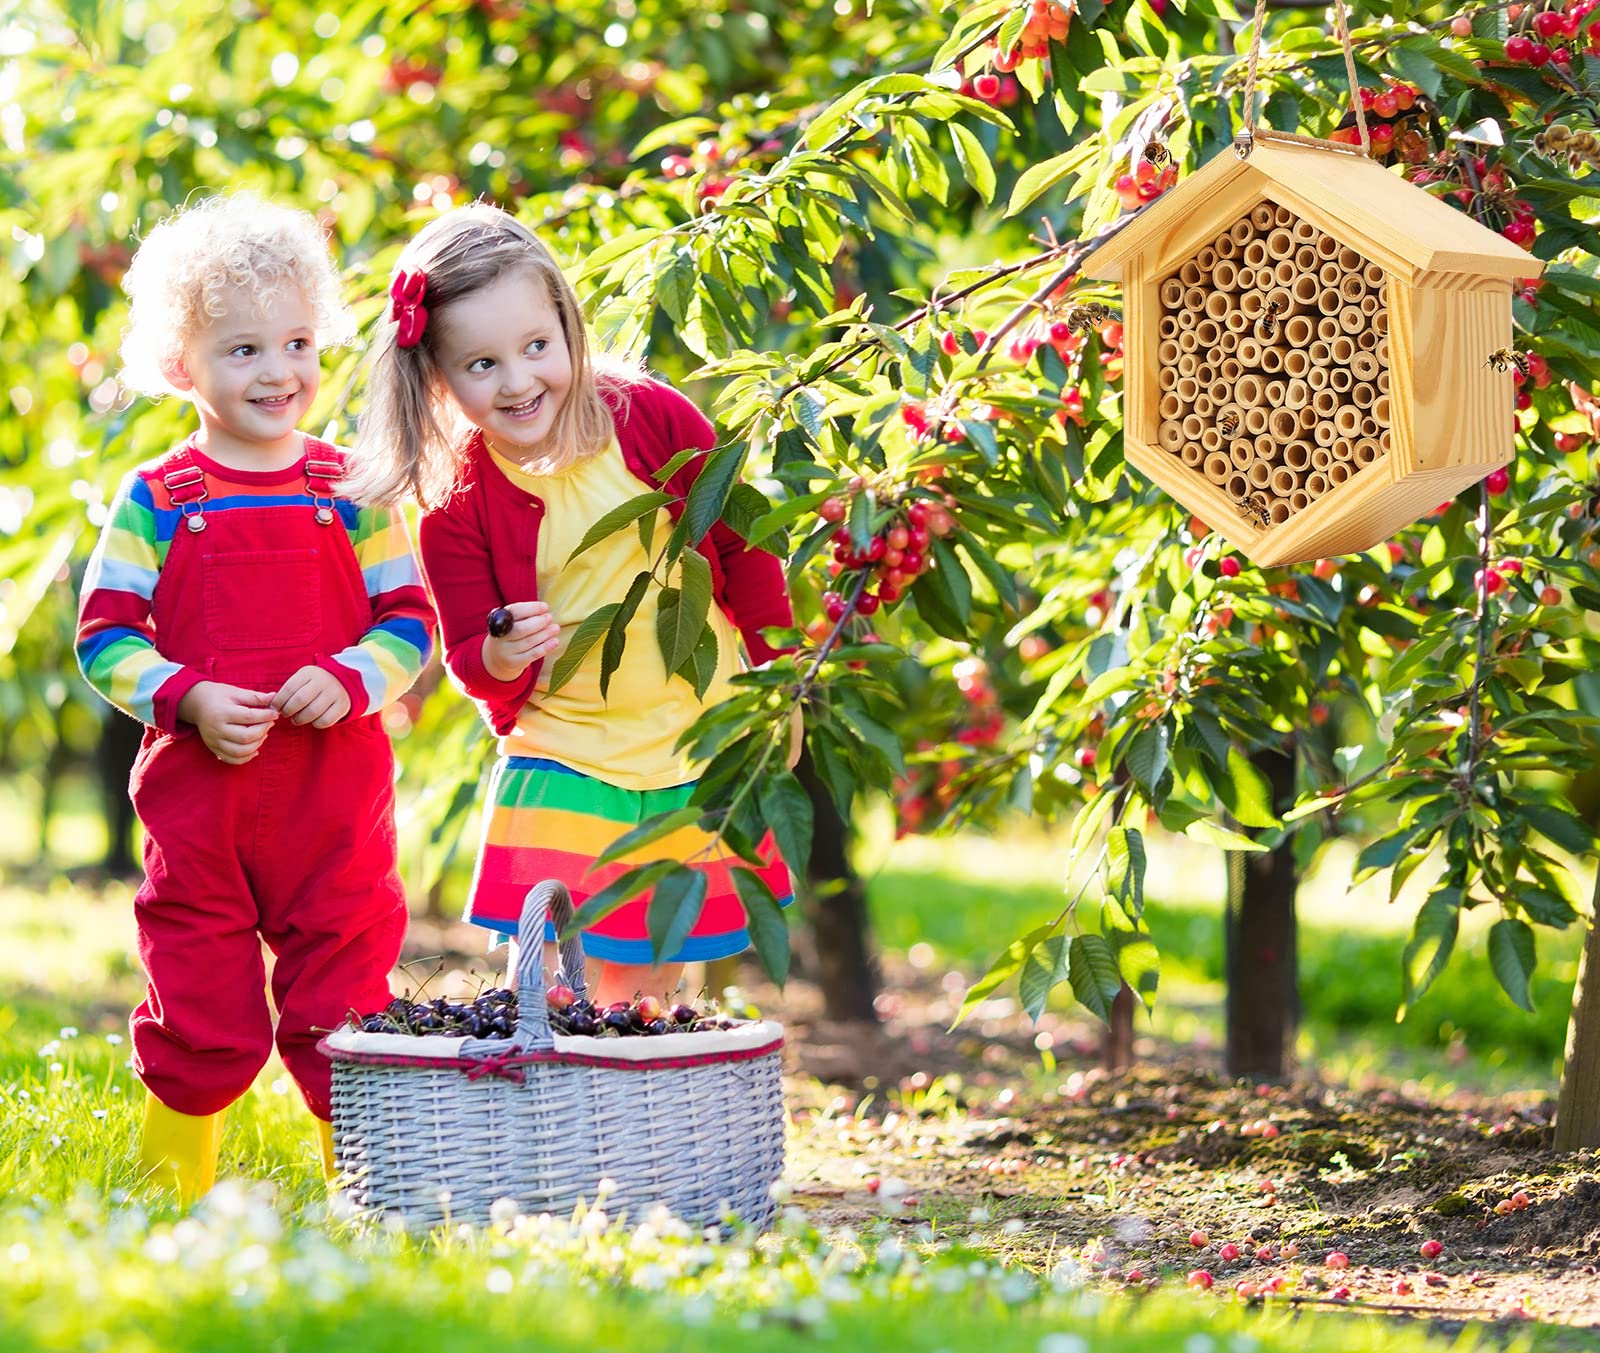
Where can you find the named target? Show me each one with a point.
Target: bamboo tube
(1305, 291)
(1205, 373)
(1259, 474)
(1194, 298)
(1221, 395)
(1343, 351)
(1235, 322)
(1251, 304)
(1327, 247)
(1351, 320)
(1344, 449)
(1324, 434)
(1278, 512)
(1369, 427)
(1171, 407)
(1255, 420)
(1167, 353)
(1271, 359)
(1353, 289)
(1328, 328)
(1347, 422)
(1381, 352)
(1328, 302)
(1382, 381)
(1266, 449)
(1369, 307)
(1363, 394)
(1351, 261)
(1194, 456)
(1226, 246)
(1274, 392)
(1308, 418)
(1297, 454)
(1255, 254)
(1338, 473)
(1316, 483)
(1299, 500)
(1283, 425)
(1330, 274)
(1282, 216)
(1284, 481)
(1340, 380)
(1231, 369)
(1303, 231)
(1238, 486)
(1317, 378)
(1188, 388)
(1305, 259)
(1367, 341)
(1284, 300)
(1298, 331)
(1321, 458)
(1241, 231)
(1188, 360)
(1225, 278)
(1262, 217)
(1245, 276)
(1222, 398)
(1380, 323)
(1168, 377)
(1207, 332)
(1217, 468)
(1320, 353)
(1169, 326)
(1242, 453)
(1372, 274)
(1170, 435)
(1249, 351)
(1190, 275)
(1385, 441)
(1367, 451)
(1187, 319)
(1298, 395)
(1249, 391)
(1363, 366)
(1172, 293)
(1203, 403)
(1284, 273)
(1206, 259)
(1325, 402)
(1229, 342)
(1296, 364)
(1193, 426)
(1380, 411)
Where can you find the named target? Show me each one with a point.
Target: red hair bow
(406, 293)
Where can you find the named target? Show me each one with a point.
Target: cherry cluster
(896, 554)
(1545, 36)
(493, 1014)
(927, 788)
(1390, 116)
(1145, 184)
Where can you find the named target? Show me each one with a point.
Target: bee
(1269, 319)
(1503, 359)
(1081, 318)
(1254, 510)
(1156, 153)
(1228, 424)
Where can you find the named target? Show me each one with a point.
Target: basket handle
(549, 899)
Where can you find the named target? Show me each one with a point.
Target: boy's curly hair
(185, 265)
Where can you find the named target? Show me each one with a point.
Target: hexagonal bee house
(1307, 340)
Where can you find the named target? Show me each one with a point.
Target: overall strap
(324, 469)
(185, 483)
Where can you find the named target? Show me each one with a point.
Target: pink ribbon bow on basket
(407, 310)
(495, 1065)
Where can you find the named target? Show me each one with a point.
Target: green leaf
(710, 492)
(1125, 866)
(650, 830)
(1147, 757)
(1566, 829)
(622, 889)
(1209, 832)
(769, 930)
(682, 614)
(1043, 969)
(674, 907)
(1433, 937)
(1512, 956)
(1042, 177)
(1092, 970)
(974, 160)
(617, 631)
(787, 809)
(590, 631)
(1001, 970)
(646, 504)
(1245, 793)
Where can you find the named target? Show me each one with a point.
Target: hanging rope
(1250, 135)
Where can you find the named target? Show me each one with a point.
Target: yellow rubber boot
(330, 1168)
(178, 1151)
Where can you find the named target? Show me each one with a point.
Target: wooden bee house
(1307, 340)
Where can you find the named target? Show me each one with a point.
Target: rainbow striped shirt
(117, 645)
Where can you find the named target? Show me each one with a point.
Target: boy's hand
(233, 722)
(533, 634)
(313, 696)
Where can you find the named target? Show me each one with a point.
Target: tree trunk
(1263, 992)
(119, 742)
(1578, 1109)
(1116, 1044)
(837, 910)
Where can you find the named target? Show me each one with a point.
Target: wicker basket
(431, 1129)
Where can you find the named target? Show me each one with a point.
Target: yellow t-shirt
(626, 739)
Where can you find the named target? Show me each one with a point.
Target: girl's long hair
(410, 438)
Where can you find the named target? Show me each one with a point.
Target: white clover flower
(1063, 1343)
(499, 1281)
(69, 1031)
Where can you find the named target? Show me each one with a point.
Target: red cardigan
(479, 549)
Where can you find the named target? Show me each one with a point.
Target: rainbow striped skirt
(547, 821)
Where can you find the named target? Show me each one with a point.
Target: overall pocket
(263, 599)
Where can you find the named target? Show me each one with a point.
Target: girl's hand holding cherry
(518, 636)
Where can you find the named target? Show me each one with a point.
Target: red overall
(296, 847)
